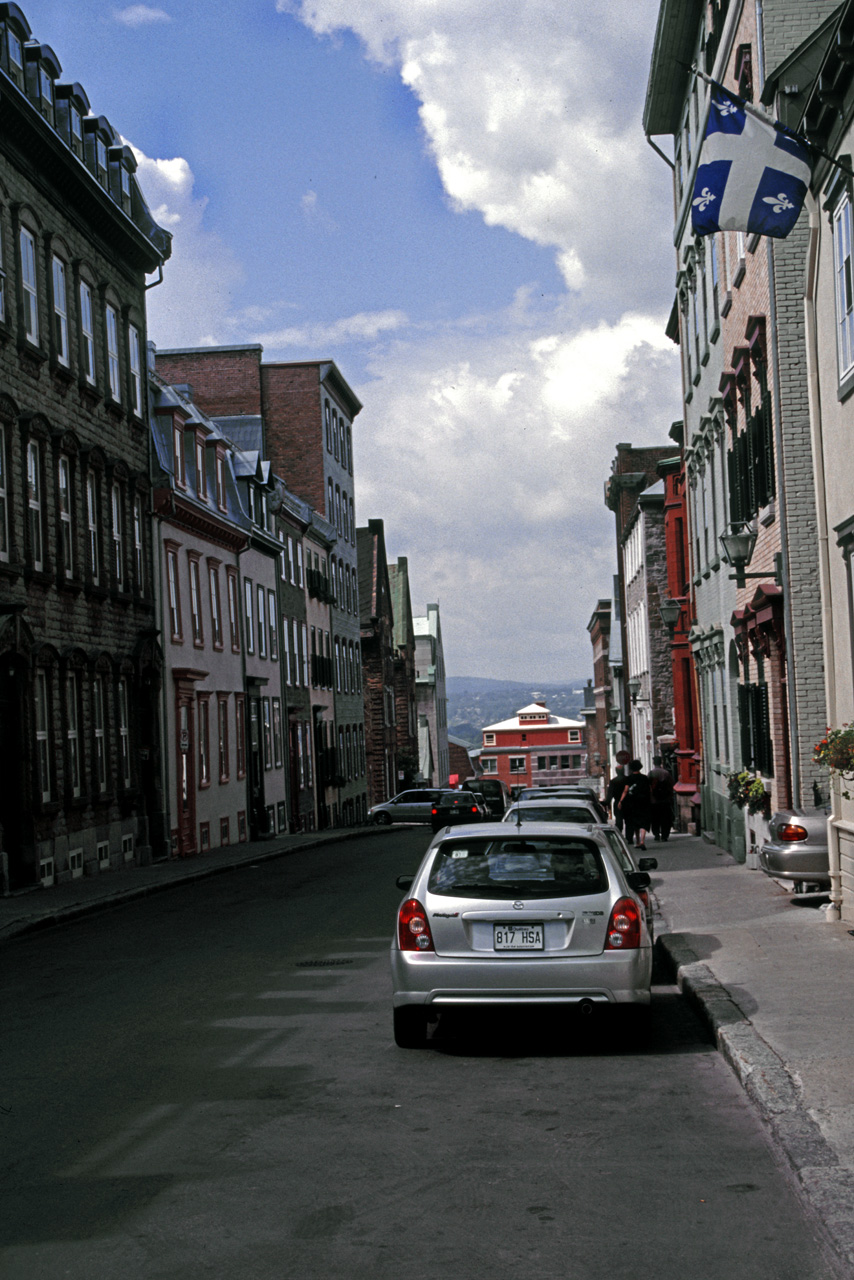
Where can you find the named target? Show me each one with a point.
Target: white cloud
(531, 111)
(363, 327)
(193, 305)
(140, 15)
(485, 449)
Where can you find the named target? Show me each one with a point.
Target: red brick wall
(225, 383)
(293, 417)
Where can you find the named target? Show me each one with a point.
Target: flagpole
(766, 119)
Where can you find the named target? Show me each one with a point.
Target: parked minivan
(495, 792)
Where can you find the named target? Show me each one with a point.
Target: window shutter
(744, 725)
(768, 445)
(765, 750)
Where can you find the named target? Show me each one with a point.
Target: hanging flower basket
(836, 753)
(748, 792)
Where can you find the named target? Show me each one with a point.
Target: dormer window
(76, 124)
(201, 478)
(42, 68)
(178, 455)
(16, 50)
(46, 85)
(101, 156)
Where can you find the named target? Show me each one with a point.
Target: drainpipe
(833, 910)
(794, 744)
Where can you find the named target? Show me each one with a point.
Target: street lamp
(739, 543)
(670, 611)
(634, 688)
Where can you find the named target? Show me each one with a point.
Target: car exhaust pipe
(586, 1008)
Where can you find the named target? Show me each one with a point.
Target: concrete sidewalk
(775, 982)
(40, 908)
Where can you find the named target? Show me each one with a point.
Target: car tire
(382, 819)
(410, 1026)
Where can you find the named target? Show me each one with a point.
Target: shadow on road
(671, 1028)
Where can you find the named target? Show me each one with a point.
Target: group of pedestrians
(640, 802)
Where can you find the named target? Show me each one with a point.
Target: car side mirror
(406, 882)
(648, 864)
(638, 880)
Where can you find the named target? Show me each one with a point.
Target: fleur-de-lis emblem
(725, 107)
(781, 202)
(704, 199)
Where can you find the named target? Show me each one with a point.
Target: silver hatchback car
(502, 916)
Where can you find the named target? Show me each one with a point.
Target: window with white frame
(204, 740)
(272, 613)
(113, 374)
(262, 622)
(216, 613)
(135, 366)
(267, 730)
(87, 333)
(92, 526)
(99, 733)
(842, 238)
(220, 479)
(517, 764)
(201, 478)
(72, 733)
(195, 600)
(249, 612)
(66, 539)
(41, 693)
(277, 732)
(300, 569)
(489, 764)
(286, 650)
(118, 537)
(34, 503)
(124, 732)
(139, 544)
(337, 666)
(60, 310)
(174, 593)
(29, 285)
(292, 567)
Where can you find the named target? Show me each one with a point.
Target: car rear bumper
(613, 977)
(790, 862)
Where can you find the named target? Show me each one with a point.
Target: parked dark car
(454, 807)
(796, 850)
(496, 794)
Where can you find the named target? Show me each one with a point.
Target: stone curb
(826, 1187)
(115, 898)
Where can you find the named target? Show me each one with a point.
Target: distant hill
(475, 701)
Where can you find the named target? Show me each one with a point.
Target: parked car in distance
(796, 850)
(546, 916)
(565, 792)
(453, 807)
(409, 806)
(495, 792)
(559, 809)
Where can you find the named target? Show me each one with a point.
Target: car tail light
(791, 831)
(474, 808)
(434, 812)
(624, 927)
(413, 931)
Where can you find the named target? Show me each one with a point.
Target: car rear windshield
(559, 813)
(540, 868)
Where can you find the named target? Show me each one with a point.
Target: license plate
(517, 937)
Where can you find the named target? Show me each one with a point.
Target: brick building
(308, 410)
(535, 748)
(405, 696)
(378, 662)
(80, 667)
(599, 741)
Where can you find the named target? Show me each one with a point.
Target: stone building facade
(405, 696)
(432, 698)
(80, 668)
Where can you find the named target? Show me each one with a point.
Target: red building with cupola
(535, 748)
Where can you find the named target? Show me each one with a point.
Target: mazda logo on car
(518, 906)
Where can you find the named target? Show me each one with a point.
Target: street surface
(205, 1083)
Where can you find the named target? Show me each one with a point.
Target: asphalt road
(204, 1084)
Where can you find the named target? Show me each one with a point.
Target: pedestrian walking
(616, 787)
(661, 789)
(635, 805)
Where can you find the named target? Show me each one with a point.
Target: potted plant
(748, 791)
(836, 753)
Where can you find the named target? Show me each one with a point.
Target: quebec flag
(753, 175)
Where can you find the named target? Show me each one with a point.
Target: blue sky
(454, 200)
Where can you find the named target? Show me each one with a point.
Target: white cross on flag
(753, 176)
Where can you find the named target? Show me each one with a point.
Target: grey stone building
(432, 698)
(80, 667)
